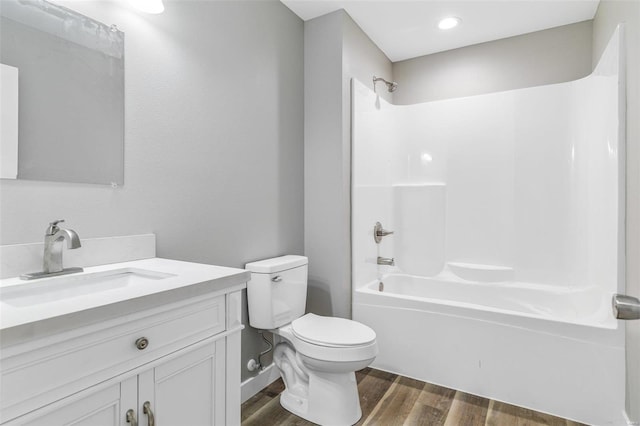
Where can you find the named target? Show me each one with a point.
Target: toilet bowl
(318, 356)
(320, 383)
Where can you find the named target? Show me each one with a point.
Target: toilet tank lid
(276, 264)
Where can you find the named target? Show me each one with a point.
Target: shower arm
(391, 85)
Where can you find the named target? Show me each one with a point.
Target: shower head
(391, 85)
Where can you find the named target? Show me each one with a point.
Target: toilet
(318, 356)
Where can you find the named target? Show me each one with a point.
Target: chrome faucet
(52, 262)
(53, 239)
(386, 261)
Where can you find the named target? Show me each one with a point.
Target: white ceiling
(406, 29)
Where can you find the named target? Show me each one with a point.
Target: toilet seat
(332, 332)
(331, 352)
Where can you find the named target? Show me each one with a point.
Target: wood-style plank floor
(388, 399)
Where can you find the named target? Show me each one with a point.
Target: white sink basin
(65, 287)
(109, 288)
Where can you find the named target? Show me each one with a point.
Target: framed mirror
(62, 90)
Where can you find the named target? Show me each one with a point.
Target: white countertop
(185, 276)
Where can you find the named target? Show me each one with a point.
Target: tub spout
(386, 261)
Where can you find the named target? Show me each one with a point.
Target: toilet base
(332, 399)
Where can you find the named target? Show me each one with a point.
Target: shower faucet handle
(379, 232)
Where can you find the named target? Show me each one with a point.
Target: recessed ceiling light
(449, 22)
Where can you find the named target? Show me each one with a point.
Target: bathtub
(524, 344)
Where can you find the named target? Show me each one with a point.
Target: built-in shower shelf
(481, 272)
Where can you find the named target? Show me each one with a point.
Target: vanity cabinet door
(106, 407)
(187, 390)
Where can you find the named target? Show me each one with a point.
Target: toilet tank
(277, 291)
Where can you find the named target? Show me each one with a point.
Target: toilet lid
(330, 331)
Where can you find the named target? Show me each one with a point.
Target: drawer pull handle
(131, 417)
(142, 343)
(146, 408)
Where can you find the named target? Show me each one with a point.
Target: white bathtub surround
(419, 227)
(507, 211)
(528, 177)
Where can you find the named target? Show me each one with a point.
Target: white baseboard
(255, 384)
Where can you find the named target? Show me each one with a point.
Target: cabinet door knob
(131, 417)
(146, 408)
(142, 343)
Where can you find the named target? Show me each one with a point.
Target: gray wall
(610, 13)
(544, 57)
(324, 224)
(213, 139)
(336, 50)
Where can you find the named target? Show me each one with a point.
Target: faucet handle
(53, 227)
(379, 232)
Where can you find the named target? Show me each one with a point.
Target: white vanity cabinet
(177, 353)
(188, 389)
(101, 407)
